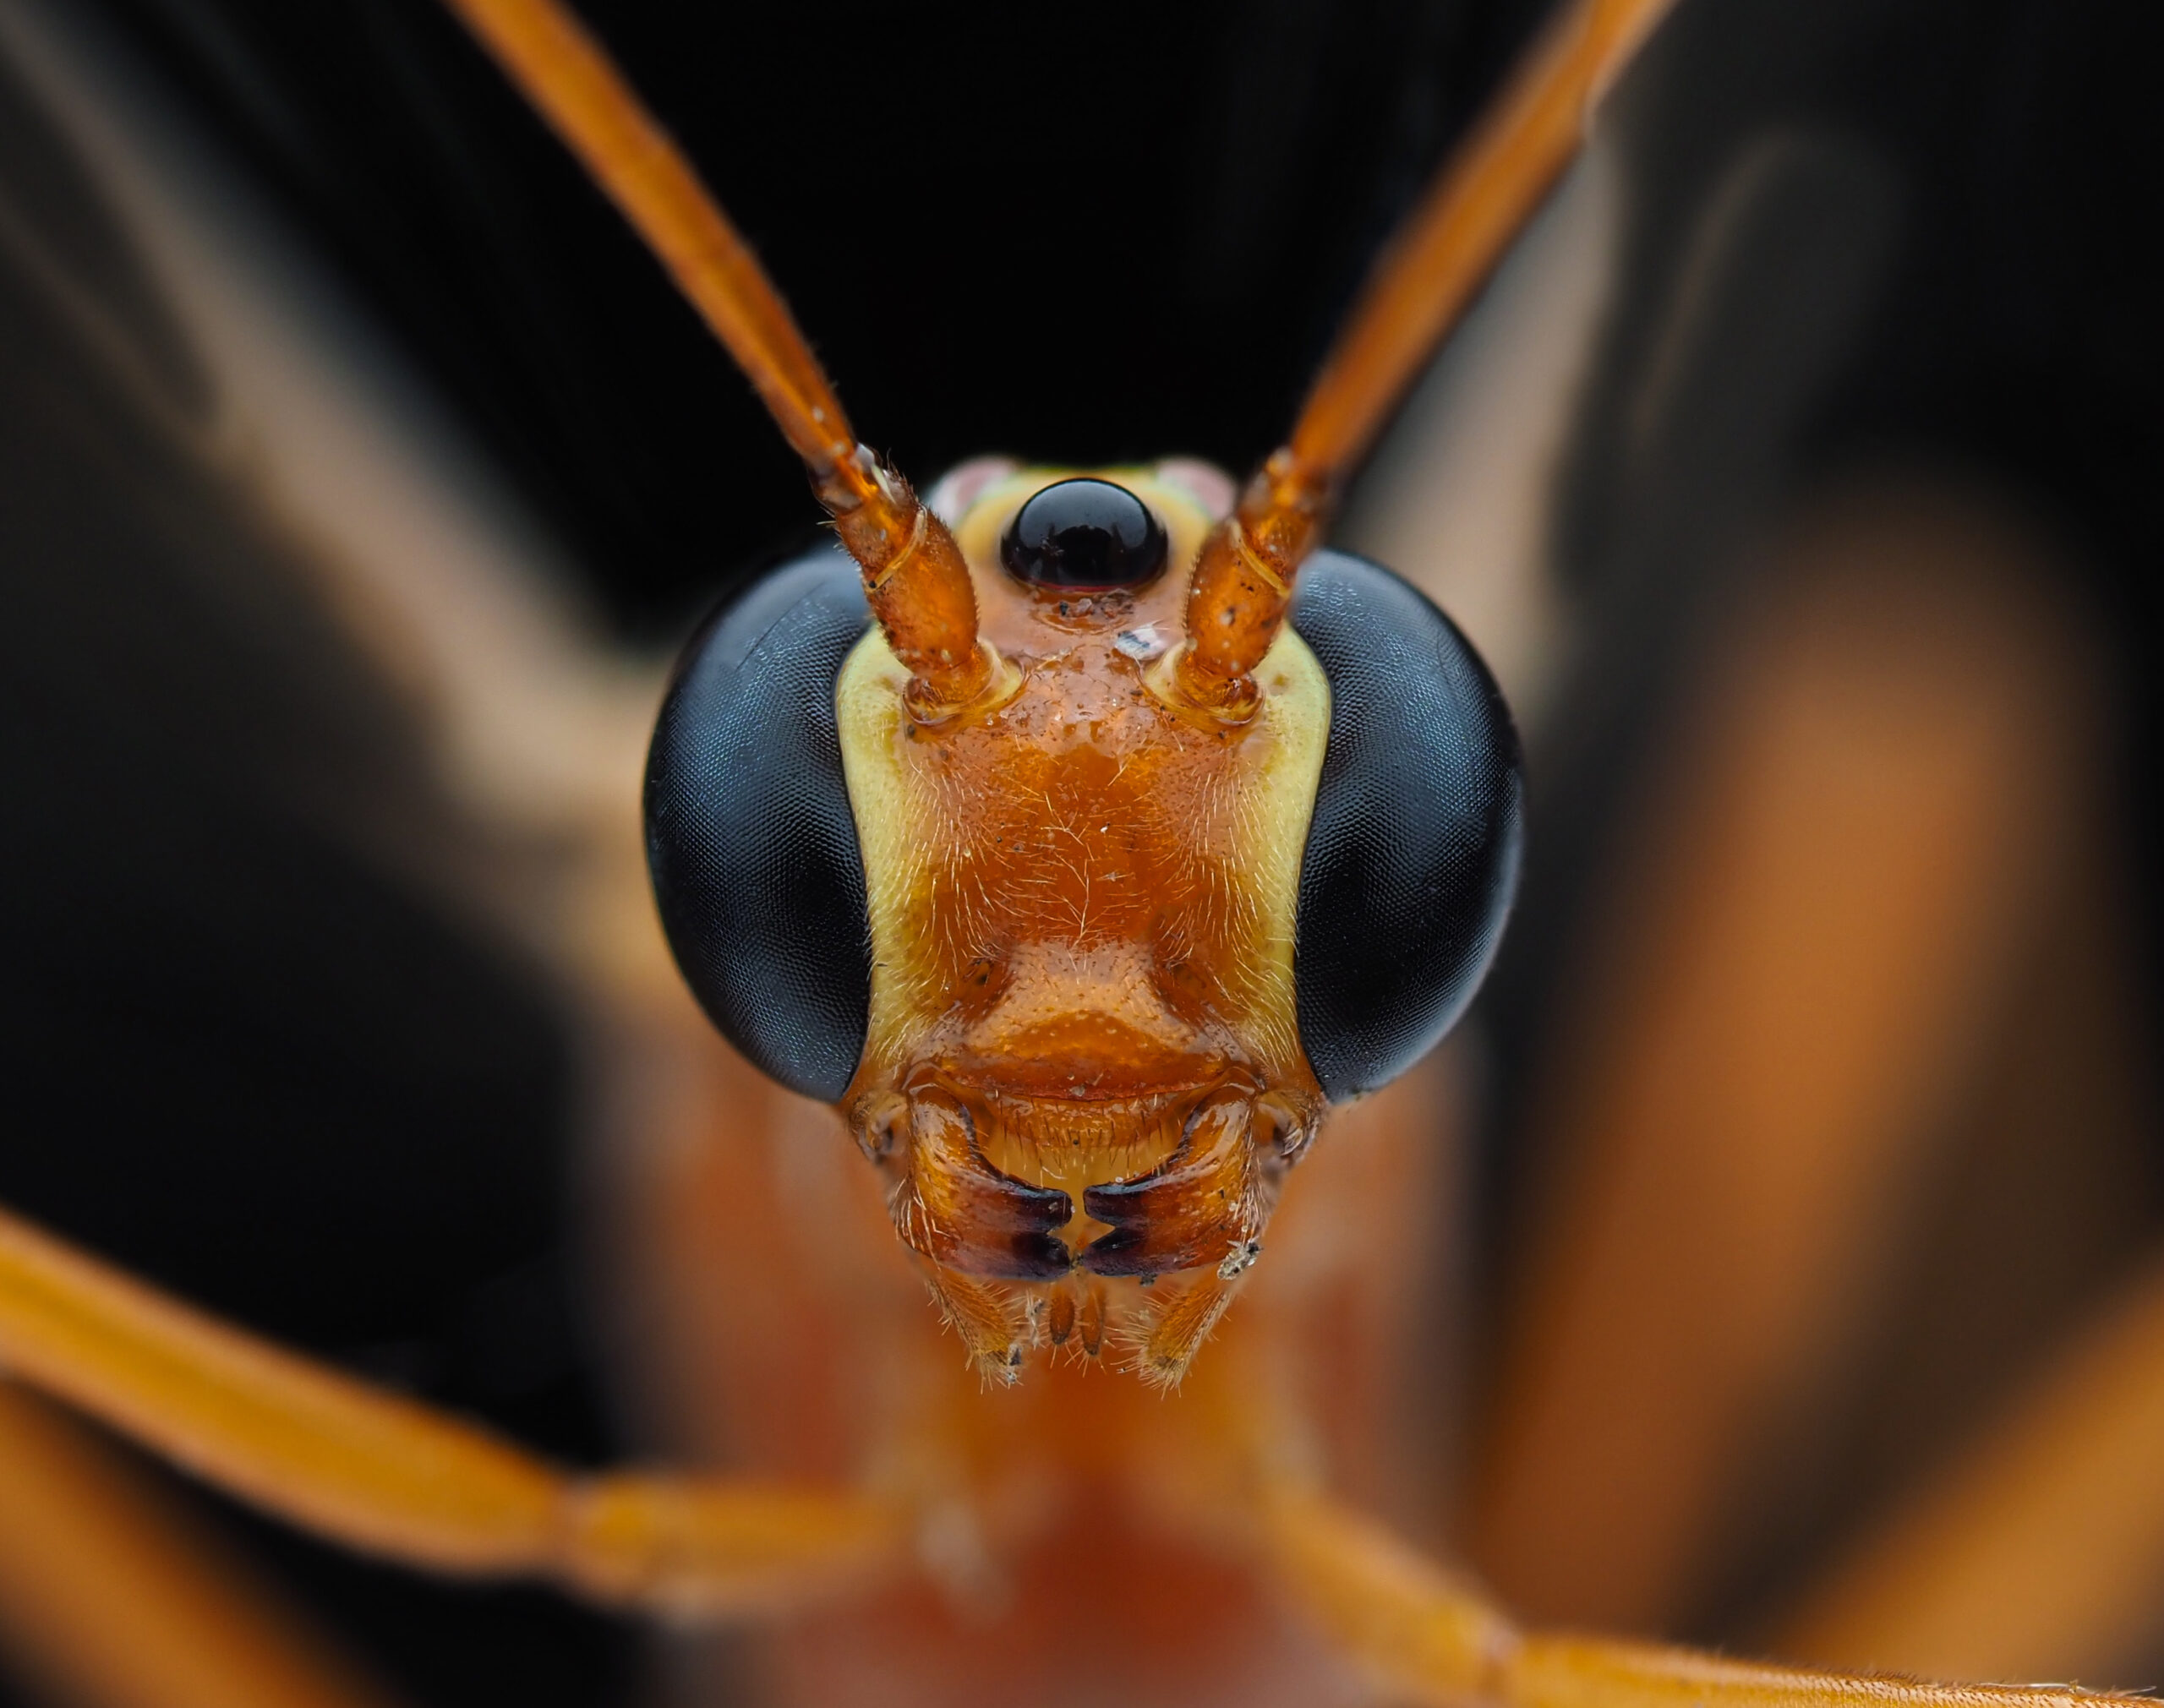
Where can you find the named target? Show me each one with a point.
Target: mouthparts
(984, 1185)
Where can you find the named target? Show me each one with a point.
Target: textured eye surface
(1085, 535)
(748, 830)
(1411, 857)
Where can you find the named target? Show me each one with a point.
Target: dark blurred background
(253, 1055)
(1090, 235)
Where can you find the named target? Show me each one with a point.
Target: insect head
(1082, 968)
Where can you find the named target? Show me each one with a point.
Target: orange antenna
(1478, 202)
(914, 574)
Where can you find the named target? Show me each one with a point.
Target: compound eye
(1083, 536)
(1412, 856)
(749, 832)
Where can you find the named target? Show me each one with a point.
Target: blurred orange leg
(390, 1478)
(112, 1596)
(2043, 1547)
(1430, 1638)
(1804, 952)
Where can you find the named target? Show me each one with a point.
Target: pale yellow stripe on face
(1295, 713)
(897, 828)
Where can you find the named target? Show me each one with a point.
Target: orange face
(1082, 1065)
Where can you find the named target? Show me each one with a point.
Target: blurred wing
(313, 773)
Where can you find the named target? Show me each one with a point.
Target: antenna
(914, 574)
(1434, 265)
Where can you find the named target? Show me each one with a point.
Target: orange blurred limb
(914, 574)
(2043, 1546)
(113, 1597)
(1436, 265)
(390, 1478)
(1557, 1672)
(1430, 1638)
(1810, 933)
(1429, 1634)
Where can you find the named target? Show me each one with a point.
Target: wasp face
(1082, 911)
(1082, 969)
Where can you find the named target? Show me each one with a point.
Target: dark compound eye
(749, 832)
(1083, 536)
(1413, 852)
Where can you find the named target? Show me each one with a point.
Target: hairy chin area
(1151, 1329)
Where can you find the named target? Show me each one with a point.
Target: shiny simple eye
(748, 828)
(1412, 856)
(1083, 536)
